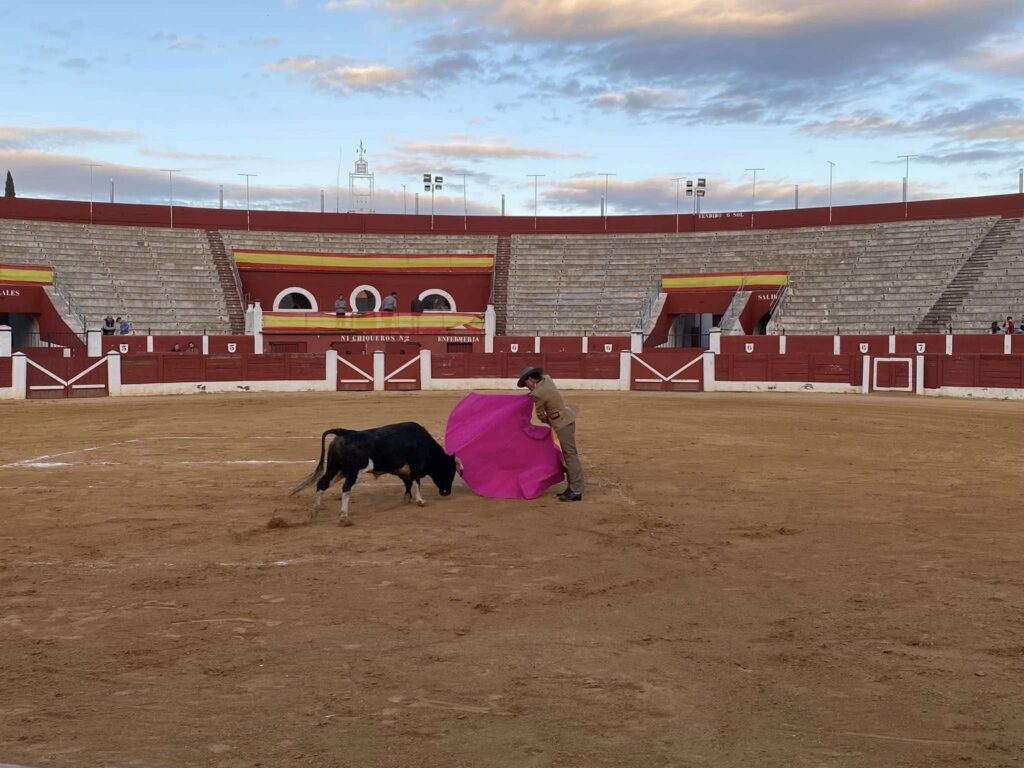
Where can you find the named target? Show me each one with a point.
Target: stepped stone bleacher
(160, 279)
(999, 290)
(861, 279)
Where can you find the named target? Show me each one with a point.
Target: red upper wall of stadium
(73, 211)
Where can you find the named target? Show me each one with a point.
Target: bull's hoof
(408, 498)
(421, 503)
(344, 521)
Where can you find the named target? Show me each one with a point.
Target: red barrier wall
(825, 369)
(762, 344)
(348, 343)
(6, 373)
(991, 344)
(619, 344)
(810, 345)
(172, 367)
(509, 366)
(214, 218)
(504, 343)
(995, 371)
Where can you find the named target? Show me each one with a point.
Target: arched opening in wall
(762, 325)
(365, 298)
(295, 300)
(436, 300)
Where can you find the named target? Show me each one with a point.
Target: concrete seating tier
(999, 291)
(867, 278)
(161, 279)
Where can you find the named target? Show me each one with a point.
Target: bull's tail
(321, 465)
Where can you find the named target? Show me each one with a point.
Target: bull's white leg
(318, 501)
(419, 497)
(344, 519)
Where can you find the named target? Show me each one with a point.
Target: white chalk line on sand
(155, 462)
(42, 462)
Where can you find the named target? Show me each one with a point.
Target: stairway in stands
(959, 288)
(227, 276)
(499, 291)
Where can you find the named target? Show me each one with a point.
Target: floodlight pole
(90, 166)
(906, 184)
(677, 180)
(831, 168)
(604, 207)
(535, 176)
(432, 185)
(465, 208)
(111, 189)
(170, 180)
(247, 177)
(753, 194)
(405, 207)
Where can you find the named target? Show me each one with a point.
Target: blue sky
(497, 89)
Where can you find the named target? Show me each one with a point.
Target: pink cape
(504, 456)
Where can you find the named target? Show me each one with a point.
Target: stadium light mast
(247, 177)
(753, 194)
(111, 189)
(90, 166)
(465, 208)
(431, 184)
(831, 168)
(405, 207)
(535, 176)
(604, 208)
(677, 179)
(906, 183)
(170, 180)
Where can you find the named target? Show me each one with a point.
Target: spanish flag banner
(324, 322)
(306, 261)
(11, 274)
(723, 281)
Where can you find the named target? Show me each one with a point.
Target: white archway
(302, 292)
(443, 294)
(370, 290)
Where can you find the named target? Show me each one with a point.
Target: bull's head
(444, 474)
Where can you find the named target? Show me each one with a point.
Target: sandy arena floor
(751, 581)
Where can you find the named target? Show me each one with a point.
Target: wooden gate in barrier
(667, 370)
(401, 372)
(63, 377)
(355, 373)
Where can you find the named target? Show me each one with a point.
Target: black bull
(406, 450)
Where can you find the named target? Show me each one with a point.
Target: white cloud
(466, 149)
(341, 75)
(53, 136)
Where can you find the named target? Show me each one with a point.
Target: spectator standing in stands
(390, 303)
(176, 348)
(995, 327)
(1008, 328)
(124, 326)
(341, 306)
(108, 326)
(417, 305)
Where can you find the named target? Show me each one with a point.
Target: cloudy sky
(498, 89)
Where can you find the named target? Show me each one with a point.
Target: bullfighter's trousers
(571, 457)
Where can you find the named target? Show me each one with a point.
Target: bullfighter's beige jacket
(549, 405)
